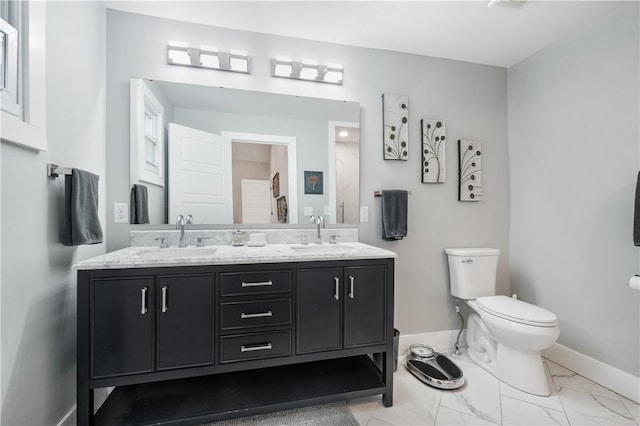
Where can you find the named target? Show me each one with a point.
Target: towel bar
(54, 171)
(378, 192)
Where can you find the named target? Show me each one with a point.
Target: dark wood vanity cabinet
(177, 341)
(122, 326)
(340, 308)
(184, 321)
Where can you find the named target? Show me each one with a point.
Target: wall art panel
(433, 151)
(395, 116)
(470, 164)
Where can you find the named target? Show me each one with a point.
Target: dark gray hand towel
(394, 214)
(139, 206)
(81, 222)
(636, 215)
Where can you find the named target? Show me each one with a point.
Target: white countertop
(146, 257)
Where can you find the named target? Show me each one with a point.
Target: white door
(256, 201)
(199, 175)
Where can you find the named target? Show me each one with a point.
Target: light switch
(308, 211)
(364, 214)
(327, 210)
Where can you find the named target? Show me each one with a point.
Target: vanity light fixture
(209, 57)
(309, 70)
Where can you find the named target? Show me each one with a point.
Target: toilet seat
(517, 311)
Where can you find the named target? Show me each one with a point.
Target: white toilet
(504, 335)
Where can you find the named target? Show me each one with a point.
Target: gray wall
(573, 146)
(38, 289)
(471, 98)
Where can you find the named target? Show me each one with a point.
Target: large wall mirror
(228, 156)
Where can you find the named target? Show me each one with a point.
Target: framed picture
(312, 182)
(281, 205)
(276, 185)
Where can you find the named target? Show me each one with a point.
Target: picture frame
(281, 208)
(275, 185)
(313, 182)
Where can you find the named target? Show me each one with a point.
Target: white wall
(471, 98)
(573, 146)
(38, 299)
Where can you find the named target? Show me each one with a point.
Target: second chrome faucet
(180, 224)
(318, 221)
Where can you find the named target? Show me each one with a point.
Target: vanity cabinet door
(122, 324)
(364, 319)
(319, 310)
(184, 310)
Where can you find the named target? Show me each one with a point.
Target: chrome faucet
(319, 221)
(180, 224)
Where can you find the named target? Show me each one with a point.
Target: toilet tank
(472, 272)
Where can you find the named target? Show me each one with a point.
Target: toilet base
(521, 370)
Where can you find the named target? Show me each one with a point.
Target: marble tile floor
(484, 400)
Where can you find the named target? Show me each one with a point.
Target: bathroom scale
(433, 368)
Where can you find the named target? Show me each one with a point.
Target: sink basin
(177, 253)
(323, 248)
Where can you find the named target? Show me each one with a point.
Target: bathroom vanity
(194, 335)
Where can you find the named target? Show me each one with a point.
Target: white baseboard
(610, 377)
(440, 341)
(69, 419)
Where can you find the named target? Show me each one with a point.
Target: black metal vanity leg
(84, 397)
(85, 406)
(387, 371)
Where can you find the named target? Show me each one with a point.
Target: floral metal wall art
(470, 162)
(433, 151)
(395, 117)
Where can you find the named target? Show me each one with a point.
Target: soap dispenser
(239, 238)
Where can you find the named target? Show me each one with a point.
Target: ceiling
(462, 30)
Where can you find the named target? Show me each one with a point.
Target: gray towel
(81, 222)
(139, 206)
(394, 214)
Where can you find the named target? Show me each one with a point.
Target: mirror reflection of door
(254, 166)
(199, 175)
(256, 201)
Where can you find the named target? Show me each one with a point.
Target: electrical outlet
(121, 212)
(364, 214)
(308, 211)
(327, 210)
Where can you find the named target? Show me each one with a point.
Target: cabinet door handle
(258, 315)
(143, 309)
(351, 280)
(336, 294)
(164, 298)
(257, 284)
(259, 347)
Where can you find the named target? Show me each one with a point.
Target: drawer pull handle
(260, 347)
(351, 280)
(164, 298)
(336, 294)
(258, 315)
(143, 309)
(257, 284)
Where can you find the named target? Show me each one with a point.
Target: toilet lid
(517, 310)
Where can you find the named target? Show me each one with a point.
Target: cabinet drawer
(248, 283)
(255, 346)
(255, 313)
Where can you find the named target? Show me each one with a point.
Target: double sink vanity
(199, 334)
